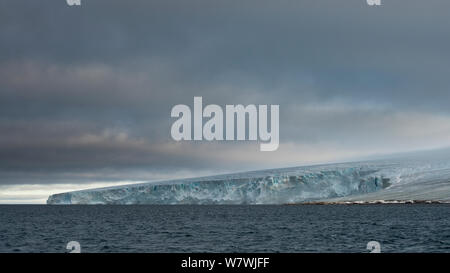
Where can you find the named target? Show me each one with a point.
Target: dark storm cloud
(86, 91)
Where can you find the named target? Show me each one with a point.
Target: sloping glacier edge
(345, 182)
(262, 187)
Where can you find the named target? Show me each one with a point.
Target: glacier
(344, 182)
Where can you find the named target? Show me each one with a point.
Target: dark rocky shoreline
(374, 202)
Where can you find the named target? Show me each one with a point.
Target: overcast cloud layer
(86, 92)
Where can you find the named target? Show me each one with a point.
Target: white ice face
(360, 181)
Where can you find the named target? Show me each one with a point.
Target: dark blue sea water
(306, 228)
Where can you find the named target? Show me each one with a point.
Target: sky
(86, 92)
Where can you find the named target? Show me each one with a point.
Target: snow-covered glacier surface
(360, 181)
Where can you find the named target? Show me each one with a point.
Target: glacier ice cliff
(379, 180)
(263, 187)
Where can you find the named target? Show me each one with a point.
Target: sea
(225, 228)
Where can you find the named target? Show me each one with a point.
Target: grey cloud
(90, 89)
